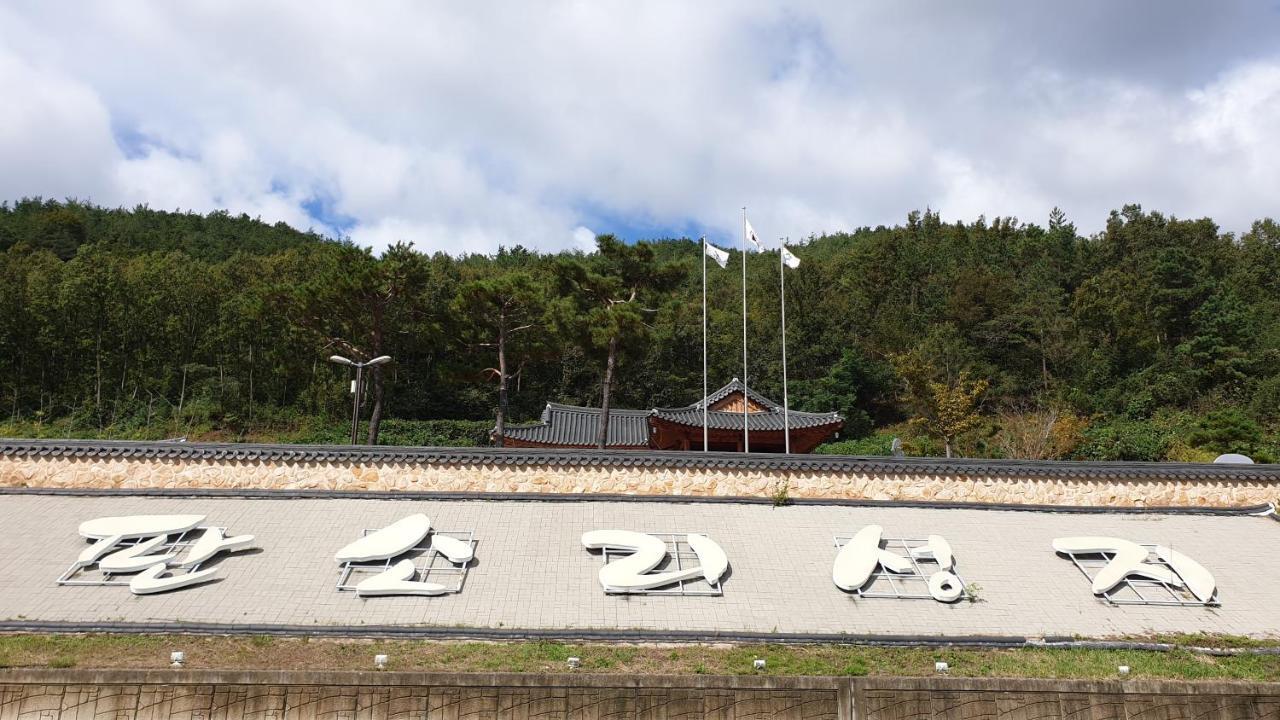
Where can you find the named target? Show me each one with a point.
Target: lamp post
(355, 387)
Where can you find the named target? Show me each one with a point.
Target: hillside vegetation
(1158, 338)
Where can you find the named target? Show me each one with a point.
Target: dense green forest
(1157, 338)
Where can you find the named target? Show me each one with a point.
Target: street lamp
(355, 386)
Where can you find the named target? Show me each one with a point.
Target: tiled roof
(573, 425)
(735, 386)
(954, 467)
(769, 420)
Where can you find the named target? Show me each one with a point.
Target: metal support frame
(678, 552)
(918, 577)
(431, 565)
(1130, 590)
(181, 543)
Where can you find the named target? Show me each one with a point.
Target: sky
(463, 127)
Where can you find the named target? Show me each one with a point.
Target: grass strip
(123, 651)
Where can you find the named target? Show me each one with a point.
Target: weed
(973, 592)
(781, 494)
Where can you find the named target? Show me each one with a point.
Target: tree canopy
(1157, 337)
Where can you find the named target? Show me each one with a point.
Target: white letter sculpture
(857, 561)
(631, 573)
(396, 539)
(155, 571)
(1130, 558)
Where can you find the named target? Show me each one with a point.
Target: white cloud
(584, 239)
(462, 128)
(55, 134)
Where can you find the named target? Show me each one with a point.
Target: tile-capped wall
(57, 471)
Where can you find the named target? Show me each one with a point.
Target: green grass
(272, 653)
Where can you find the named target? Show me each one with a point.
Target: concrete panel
(533, 574)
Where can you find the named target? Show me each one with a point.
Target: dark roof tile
(576, 426)
(647, 458)
(759, 421)
(573, 425)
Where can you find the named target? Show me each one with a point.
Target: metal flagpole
(746, 433)
(786, 421)
(704, 343)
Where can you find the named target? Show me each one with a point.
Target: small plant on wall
(781, 494)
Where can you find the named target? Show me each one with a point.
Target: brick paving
(531, 571)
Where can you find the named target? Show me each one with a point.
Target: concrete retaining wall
(148, 695)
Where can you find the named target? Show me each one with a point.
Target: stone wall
(144, 695)
(62, 471)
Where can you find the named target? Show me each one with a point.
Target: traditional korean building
(680, 428)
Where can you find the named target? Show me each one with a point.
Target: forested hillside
(1155, 339)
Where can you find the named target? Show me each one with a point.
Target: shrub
(873, 445)
(1265, 404)
(1039, 434)
(1179, 451)
(1125, 439)
(443, 433)
(1226, 431)
(432, 433)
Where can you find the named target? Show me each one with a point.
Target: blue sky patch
(321, 207)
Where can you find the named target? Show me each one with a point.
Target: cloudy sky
(465, 126)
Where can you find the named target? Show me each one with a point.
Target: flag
(720, 256)
(790, 260)
(751, 235)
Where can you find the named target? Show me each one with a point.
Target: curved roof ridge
(585, 409)
(523, 426)
(735, 385)
(572, 426)
(738, 413)
(758, 421)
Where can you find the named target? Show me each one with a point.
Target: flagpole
(786, 406)
(704, 343)
(746, 432)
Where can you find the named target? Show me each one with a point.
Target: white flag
(791, 261)
(721, 257)
(751, 235)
